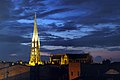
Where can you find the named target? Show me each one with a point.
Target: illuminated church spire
(35, 47)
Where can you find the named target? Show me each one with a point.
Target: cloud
(53, 47)
(114, 49)
(44, 54)
(12, 39)
(97, 11)
(13, 51)
(68, 26)
(107, 12)
(32, 3)
(71, 2)
(5, 9)
(104, 36)
(61, 24)
(13, 54)
(54, 12)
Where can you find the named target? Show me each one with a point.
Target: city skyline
(64, 26)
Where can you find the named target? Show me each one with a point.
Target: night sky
(65, 26)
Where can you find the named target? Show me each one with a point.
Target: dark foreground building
(60, 67)
(55, 72)
(48, 72)
(75, 67)
(100, 71)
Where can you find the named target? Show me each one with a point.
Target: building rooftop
(71, 56)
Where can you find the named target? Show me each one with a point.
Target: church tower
(35, 47)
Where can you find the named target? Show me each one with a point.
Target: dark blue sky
(65, 26)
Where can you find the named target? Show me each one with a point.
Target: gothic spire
(35, 47)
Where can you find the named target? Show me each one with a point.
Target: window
(78, 73)
(71, 73)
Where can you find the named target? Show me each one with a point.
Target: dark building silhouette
(55, 72)
(100, 71)
(107, 61)
(48, 72)
(63, 59)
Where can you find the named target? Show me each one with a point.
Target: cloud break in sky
(65, 26)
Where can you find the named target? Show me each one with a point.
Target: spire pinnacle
(35, 25)
(35, 15)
